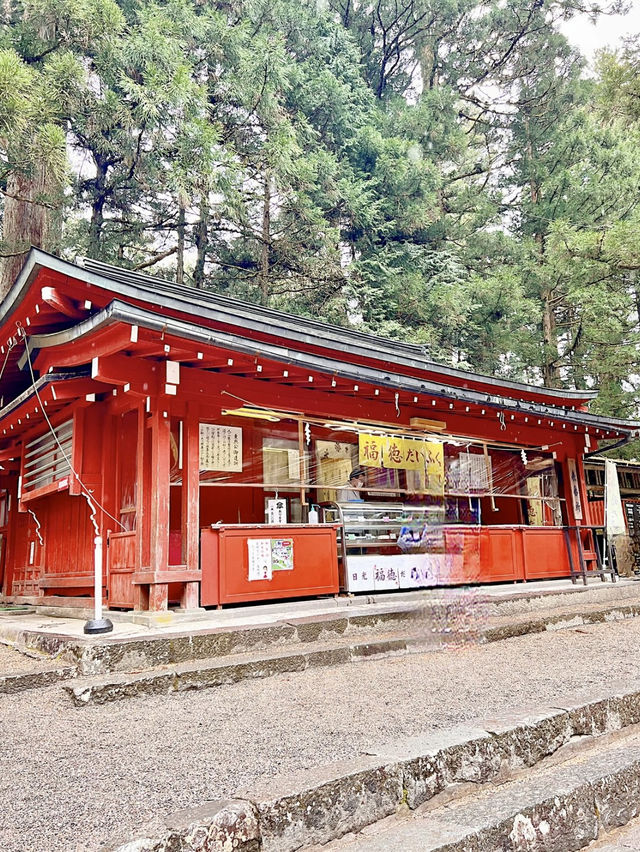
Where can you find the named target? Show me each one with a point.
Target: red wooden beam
(238, 367)
(191, 502)
(61, 303)
(72, 388)
(152, 348)
(115, 338)
(160, 349)
(141, 375)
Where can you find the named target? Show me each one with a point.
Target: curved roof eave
(117, 312)
(214, 307)
(35, 387)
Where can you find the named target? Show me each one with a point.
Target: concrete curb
(221, 670)
(319, 805)
(187, 676)
(103, 656)
(562, 621)
(107, 655)
(34, 680)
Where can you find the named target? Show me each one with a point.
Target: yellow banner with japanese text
(404, 453)
(370, 450)
(434, 467)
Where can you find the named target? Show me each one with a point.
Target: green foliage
(16, 93)
(440, 171)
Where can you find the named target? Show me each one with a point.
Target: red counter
(475, 555)
(310, 550)
(500, 554)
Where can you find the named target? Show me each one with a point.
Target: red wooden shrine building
(209, 443)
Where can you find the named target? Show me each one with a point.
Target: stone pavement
(303, 755)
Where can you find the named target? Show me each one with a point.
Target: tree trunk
(266, 240)
(180, 259)
(30, 219)
(97, 209)
(201, 242)
(550, 373)
(429, 61)
(633, 279)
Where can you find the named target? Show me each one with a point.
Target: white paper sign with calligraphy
(220, 447)
(367, 573)
(414, 570)
(574, 485)
(277, 512)
(359, 575)
(293, 464)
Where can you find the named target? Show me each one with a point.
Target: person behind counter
(355, 484)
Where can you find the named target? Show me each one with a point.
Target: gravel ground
(12, 662)
(76, 778)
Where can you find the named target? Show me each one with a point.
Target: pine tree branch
(156, 258)
(37, 202)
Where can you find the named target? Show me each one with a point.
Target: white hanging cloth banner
(614, 516)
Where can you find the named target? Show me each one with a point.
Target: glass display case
(387, 545)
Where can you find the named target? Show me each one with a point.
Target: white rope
(12, 343)
(86, 493)
(38, 526)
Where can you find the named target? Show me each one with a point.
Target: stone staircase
(553, 781)
(103, 669)
(563, 803)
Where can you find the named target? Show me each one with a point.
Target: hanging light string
(366, 428)
(94, 505)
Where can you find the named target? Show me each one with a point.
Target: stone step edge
(187, 676)
(570, 817)
(565, 822)
(22, 681)
(113, 655)
(103, 656)
(221, 672)
(409, 643)
(323, 804)
(560, 621)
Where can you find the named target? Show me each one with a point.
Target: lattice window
(47, 460)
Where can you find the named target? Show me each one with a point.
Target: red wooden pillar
(11, 535)
(143, 489)
(570, 452)
(143, 506)
(582, 480)
(108, 493)
(190, 504)
(159, 514)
